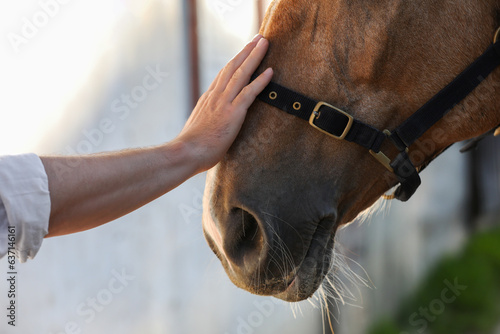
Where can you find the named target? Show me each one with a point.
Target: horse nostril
(244, 240)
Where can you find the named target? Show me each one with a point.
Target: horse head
(273, 204)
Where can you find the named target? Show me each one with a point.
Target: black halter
(340, 125)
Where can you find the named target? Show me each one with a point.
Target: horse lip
(314, 266)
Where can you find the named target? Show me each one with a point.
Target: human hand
(220, 112)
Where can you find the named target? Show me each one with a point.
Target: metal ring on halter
(497, 36)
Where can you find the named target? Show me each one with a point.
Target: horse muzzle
(268, 252)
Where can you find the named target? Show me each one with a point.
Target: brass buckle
(497, 36)
(316, 113)
(383, 159)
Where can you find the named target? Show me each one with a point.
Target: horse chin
(314, 268)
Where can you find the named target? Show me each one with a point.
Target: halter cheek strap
(340, 125)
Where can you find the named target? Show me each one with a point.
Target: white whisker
(341, 285)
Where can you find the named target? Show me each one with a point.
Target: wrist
(183, 154)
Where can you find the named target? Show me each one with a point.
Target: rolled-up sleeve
(24, 204)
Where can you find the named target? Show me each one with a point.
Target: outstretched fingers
(243, 73)
(248, 94)
(224, 75)
(220, 112)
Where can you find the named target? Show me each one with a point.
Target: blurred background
(72, 81)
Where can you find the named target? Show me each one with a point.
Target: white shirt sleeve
(24, 204)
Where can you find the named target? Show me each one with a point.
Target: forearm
(88, 191)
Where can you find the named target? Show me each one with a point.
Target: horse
(273, 205)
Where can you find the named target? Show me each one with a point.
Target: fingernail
(261, 41)
(256, 37)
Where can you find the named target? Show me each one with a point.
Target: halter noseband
(339, 124)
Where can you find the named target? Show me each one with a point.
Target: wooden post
(193, 50)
